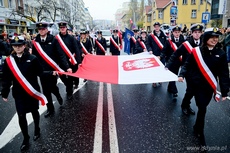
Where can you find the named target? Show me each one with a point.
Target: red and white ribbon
(114, 42)
(100, 46)
(174, 47)
(24, 83)
(134, 39)
(188, 46)
(159, 44)
(46, 57)
(142, 44)
(66, 50)
(84, 49)
(207, 73)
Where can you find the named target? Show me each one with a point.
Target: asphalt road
(119, 118)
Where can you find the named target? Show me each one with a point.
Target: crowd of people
(199, 57)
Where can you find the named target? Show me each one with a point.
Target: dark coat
(50, 48)
(5, 49)
(113, 49)
(155, 48)
(97, 48)
(139, 49)
(216, 61)
(72, 45)
(181, 51)
(30, 68)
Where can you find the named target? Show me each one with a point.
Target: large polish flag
(127, 69)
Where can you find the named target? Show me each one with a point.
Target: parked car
(107, 34)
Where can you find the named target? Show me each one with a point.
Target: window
(193, 14)
(1, 2)
(193, 2)
(148, 18)
(201, 2)
(154, 15)
(184, 2)
(160, 15)
(10, 3)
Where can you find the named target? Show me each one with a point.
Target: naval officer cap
(41, 25)
(83, 32)
(135, 30)
(210, 32)
(143, 31)
(156, 23)
(115, 30)
(62, 24)
(176, 28)
(195, 27)
(99, 32)
(17, 40)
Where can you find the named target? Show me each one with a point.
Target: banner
(128, 69)
(127, 37)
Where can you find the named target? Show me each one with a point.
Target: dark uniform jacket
(87, 44)
(155, 48)
(72, 45)
(217, 63)
(49, 47)
(133, 44)
(181, 51)
(139, 49)
(4, 48)
(168, 50)
(113, 49)
(102, 41)
(30, 68)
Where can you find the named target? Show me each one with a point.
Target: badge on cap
(16, 39)
(40, 24)
(215, 29)
(198, 26)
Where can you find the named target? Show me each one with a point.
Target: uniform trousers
(49, 85)
(172, 84)
(188, 94)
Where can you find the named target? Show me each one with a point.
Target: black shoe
(175, 95)
(154, 85)
(36, 136)
(60, 100)
(85, 80)
(48, 113)
(25, 145)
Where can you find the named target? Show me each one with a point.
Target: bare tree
(52, 7)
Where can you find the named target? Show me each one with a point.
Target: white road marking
(97, 148)
(112, 124)
(12, 129)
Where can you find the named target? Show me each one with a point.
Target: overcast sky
(103, 9)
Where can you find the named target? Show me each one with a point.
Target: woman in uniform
(203, 67)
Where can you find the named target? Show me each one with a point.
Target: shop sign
(2, 20)
(12, 21)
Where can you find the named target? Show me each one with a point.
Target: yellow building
(189, 12)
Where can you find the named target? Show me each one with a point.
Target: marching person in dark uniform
(171, 45)
(133, 40)
(115, 42)
(184, 51)
(69, 46)
(48, 46)
(21, 70)
(157, 40)
(142, 44)
(203, 67)
(90, 39)
(100, 44)
(86, 43)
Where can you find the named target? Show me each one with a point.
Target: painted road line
(112, 124)
(12, 129)
(97, 147)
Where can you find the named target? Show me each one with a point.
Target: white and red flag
(135, 69)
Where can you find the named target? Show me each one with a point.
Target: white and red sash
(66, 50)
(134, 39)
(142, 44)
(84, 49)
(100, 46)
(46, 57)
(159, 44)
(114, 42)
(174, 47)
(24, 83)
(206, 72)
(188, 46)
